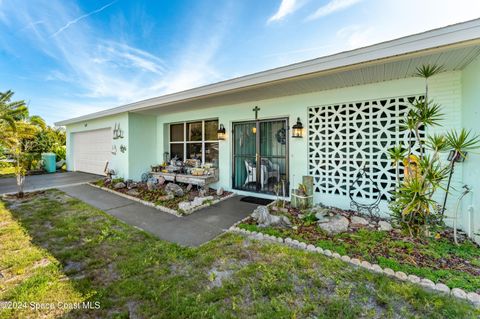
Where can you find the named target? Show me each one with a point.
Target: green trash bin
(49, 162)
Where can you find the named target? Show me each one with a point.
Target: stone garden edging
(425, 283)
(159, 207)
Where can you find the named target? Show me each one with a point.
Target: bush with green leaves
(413, 205)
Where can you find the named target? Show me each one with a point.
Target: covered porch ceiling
(452, 58)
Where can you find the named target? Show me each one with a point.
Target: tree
(17, 133)
(10, 112)
(20, 140)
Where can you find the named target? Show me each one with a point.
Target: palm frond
(427, 70)
(462, 141)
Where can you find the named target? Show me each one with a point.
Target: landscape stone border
(163, 208)
(427, 284)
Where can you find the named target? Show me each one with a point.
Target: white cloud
(83, 16)
(331, 7)
(286, 7)
(105, 72)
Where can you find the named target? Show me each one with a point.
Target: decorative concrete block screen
(343, 138)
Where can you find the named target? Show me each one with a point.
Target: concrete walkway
(192, 230)
(46, 181)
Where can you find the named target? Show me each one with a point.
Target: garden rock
(202, 192)
(220, 191)
(366, 264)
(385, 226)
(357, 221)
(265, 219)
(414, 279)
(401, 275)
(133, 192)
(356, 261)
(346, 258)
(184, 206)
(459, 293)
(189, 187)
(321, 213)
(442, 287)
(377, 268)
(174, 189)
(473, 297)
(161, 180)
(336, 224)
(197, 201)
(107, 181)
(427, 283)
(388, 272)
(151, 186)
(119, 185)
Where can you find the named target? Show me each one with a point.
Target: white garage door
(91, 150)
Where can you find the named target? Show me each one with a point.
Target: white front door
(91, 150)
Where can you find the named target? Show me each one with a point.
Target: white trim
(459, 34)
(185, 141)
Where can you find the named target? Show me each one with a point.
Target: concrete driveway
(46, 181)
(192, 230)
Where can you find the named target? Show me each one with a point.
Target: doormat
(256, 200)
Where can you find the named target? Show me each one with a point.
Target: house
(350, 105)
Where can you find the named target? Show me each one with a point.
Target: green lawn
(57, 249)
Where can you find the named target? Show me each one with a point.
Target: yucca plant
(458, 143)
(413, 206)
(397, 154)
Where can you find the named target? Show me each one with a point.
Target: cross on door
(256, 109)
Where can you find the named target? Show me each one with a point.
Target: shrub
(413, 206)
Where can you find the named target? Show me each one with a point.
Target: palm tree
(19, 139)
(10, 112)
(17, 132)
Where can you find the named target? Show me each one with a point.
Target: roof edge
(440, 37)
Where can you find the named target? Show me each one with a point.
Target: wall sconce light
(297, 129)
(254, 130)
(459, 157)
(221, 133)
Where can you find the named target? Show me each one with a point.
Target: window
(195, 140)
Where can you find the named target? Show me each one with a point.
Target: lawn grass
(57, 249)
(439, 260)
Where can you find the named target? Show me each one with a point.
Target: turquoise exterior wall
(119, 161)
(142, 151)
(471, 172)
(458, 92)
(444, 88)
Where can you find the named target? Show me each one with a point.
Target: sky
(70, 58)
